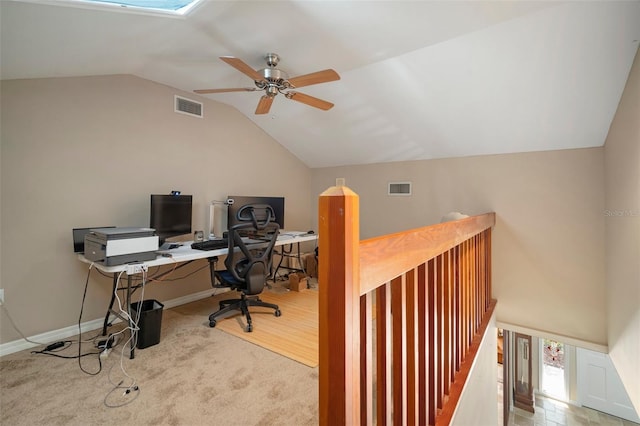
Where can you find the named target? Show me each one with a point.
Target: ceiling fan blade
(264, 105)
(241, 66)
(310, 100)
(234, 89)
(314, 78)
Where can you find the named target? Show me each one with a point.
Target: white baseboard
(63, 333)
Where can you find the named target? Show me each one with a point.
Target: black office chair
(248, 265)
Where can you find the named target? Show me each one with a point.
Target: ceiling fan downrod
(272, 59)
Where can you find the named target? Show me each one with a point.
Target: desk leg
(113, 299)
(289, 253)
(274, 272)
(134, 334)
(302, 265)
(119, 315)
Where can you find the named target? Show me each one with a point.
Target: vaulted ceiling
(419, 79)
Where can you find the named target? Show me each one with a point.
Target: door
(600, 387)
(554, 369)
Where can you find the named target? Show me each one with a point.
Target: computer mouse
(310, 231)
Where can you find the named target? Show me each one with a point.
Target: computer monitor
(170, 215)
(276, 203)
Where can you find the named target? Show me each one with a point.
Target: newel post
(339, 306)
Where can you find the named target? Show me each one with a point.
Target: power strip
(136, 268)
(110, 342)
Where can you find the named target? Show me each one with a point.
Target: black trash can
(149, 323)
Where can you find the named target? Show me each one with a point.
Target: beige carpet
(294, 334)
(196, 375)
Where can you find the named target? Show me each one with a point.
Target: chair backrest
(251, 264)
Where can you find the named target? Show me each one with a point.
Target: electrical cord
(61, 345)
(125, 313)
(180, 277)
(133, 319)
(133, 327)
(80, 356)
(127, 391)
(165, 274)
(15, 327)
(50, 346)
(52, 353)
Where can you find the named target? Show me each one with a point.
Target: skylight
(179, 7)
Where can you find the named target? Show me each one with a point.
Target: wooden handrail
(386, 257)
(424, 294)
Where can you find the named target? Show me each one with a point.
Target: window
(174, 7)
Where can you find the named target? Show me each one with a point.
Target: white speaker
(217, 219)
(212, 216)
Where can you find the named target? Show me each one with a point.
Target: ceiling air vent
(399, 188)
(189, 107)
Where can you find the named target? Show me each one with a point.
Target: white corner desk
(178, 257)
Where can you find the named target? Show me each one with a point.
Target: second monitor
(170, 215)
(276, 203)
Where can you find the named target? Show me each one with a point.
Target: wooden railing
(401, 316)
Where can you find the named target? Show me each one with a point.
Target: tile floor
(549, 412)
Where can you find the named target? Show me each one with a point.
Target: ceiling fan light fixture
(271, 91)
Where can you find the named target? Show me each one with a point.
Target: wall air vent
(399, 188)
(189, 107)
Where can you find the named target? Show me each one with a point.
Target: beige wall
(89, 151)
(622, 224)
(548, 244)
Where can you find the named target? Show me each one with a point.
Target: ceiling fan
(273, 81)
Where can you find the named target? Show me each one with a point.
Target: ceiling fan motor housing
(275, 79)
(274, 75)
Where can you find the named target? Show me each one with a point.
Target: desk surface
(185, 253)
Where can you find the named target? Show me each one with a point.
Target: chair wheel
(249, 328)
(278, 313)
(212, 323)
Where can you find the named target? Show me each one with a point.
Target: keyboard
(210, 244)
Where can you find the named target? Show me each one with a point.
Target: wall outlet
(136, 268)
(1, 296)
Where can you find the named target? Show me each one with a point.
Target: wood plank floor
(294, 334)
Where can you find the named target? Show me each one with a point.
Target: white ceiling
(420, 79)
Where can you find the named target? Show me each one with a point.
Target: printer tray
(119, 259)
(130, 258)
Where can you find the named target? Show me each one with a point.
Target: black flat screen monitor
(276, 203)
(170, 215)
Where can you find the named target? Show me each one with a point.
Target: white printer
(116, 246)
